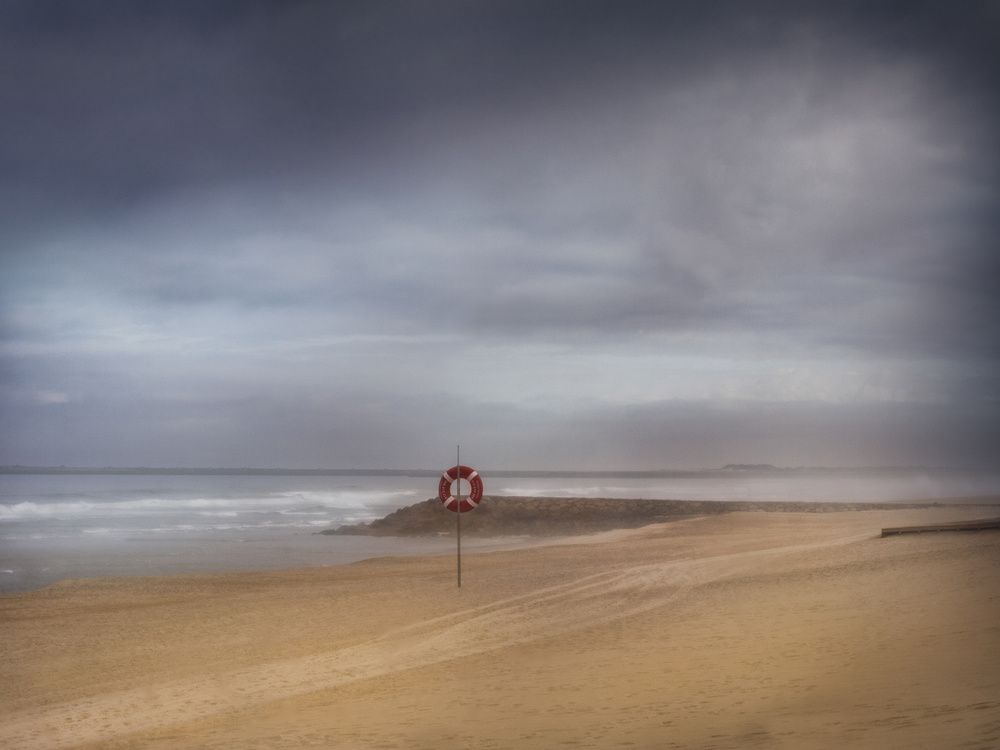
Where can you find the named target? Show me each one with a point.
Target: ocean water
(54, 527)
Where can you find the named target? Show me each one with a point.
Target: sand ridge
(401, 621)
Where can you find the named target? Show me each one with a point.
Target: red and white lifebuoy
(469, 501)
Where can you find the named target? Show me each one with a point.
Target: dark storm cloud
(218, 216)
(108, 102)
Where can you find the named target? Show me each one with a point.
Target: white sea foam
(291, 502)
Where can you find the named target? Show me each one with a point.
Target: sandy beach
(749, 629)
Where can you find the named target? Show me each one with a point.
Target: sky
(571, 234)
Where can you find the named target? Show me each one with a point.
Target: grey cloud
(379, 430)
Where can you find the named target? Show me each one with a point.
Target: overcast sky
(567, 235)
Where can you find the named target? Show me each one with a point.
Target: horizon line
(728, 469)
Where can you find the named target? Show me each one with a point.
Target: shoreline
(499, 523)
(143, 557)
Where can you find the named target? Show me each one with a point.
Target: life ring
(471, 500)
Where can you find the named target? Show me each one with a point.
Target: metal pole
(458, 515)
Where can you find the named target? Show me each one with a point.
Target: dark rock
(552, 516)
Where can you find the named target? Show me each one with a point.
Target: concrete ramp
(979, 525)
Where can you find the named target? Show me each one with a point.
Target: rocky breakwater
(551, 516)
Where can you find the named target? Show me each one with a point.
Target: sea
(61, 526)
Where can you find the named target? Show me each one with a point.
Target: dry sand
(746, 630)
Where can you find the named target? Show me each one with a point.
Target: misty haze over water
(57, 526)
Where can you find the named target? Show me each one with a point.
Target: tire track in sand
(584, 602)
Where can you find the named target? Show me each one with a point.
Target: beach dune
(748, 629)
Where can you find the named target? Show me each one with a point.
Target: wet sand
(27, 564)
(789, 630)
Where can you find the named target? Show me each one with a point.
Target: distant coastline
(727, 470)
